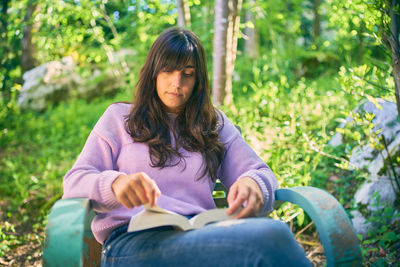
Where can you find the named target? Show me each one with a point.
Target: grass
(35, 155)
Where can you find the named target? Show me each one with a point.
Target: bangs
(175, 55)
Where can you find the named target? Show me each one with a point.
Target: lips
(174, 94)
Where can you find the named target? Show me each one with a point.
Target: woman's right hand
(135, 189)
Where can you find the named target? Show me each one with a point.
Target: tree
(183, 13)
(4, 49)
(250, 34)
(317, 22)
(11, 27)
(392, 37)
(219, 54)
(377, 20)
(387, 21)
(27, 47)
(225, 46)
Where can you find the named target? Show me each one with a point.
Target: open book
(156, 216)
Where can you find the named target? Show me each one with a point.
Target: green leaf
(391, 236)
(300, 218)
(340, 130)
(373, 100)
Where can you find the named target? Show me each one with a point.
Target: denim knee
(260, 228)
(271, 237)
(275, 230)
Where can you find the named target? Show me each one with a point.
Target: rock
(385, 119)
(377, 164)
(360, 156)
(364, 196)
(360, 224)
(385, 189)
(368, 158)
(123, 54)
(50, 82)
(337, 139)
(56, 81)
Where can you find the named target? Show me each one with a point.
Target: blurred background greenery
(305, 68)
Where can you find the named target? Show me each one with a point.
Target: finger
(133, 198)
(128, 201)
(151, 189)
(252, 206)
(130, 195)
(124, 200)
(241, 197)
(157, 193)
(121, 194)
(137, 188)
(232, 194)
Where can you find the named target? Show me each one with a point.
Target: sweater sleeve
(95, 168)
(240, 161)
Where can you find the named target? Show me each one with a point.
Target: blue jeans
(244, 242)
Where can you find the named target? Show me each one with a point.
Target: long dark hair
(196, 127)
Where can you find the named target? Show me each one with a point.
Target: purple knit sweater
(110, 151)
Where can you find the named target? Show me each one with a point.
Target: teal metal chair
(70, 242)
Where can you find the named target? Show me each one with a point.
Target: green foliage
(383, 235)
(289, 101)
(52, 140)
(10, 65)
(7, 240)
(278, 21)
(365, 83)
(8, 113)
(359, 27)
(289, 124)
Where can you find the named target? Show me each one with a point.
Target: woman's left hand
(244, 191)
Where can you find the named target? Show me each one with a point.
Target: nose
(176, 79)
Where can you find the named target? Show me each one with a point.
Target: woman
(168, 147)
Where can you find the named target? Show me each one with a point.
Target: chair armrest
(337, 235)
(68, 234)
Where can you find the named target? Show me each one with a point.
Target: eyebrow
(189, 66)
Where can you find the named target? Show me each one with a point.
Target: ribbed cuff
(267, 202)
(105, 189)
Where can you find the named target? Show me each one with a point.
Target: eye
(165, 69)
(188, 73)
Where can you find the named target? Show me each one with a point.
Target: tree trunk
(225, 46)
(183, 13)
(251, 43)
(394, 44)
(27, 48)
(219, 54)
(3, 20)
(233, 30)
(5, 50)
(108, 19)
(317, 22)
(360, 33)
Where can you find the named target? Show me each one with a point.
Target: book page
(157, 209)
(156, 216)
(209, 216)
(150, 219)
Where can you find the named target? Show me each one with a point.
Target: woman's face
(175, 87)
